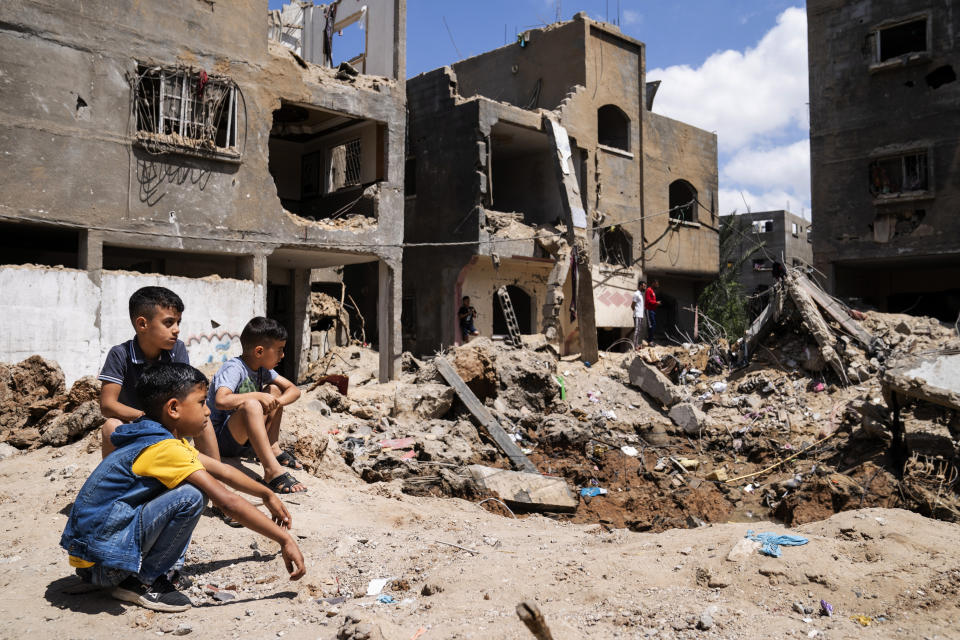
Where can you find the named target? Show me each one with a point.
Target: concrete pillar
(254, 267)
(90, 256)
(298, 344)
(388, 318)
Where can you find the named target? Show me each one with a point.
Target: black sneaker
(160, 596)
(180, 581)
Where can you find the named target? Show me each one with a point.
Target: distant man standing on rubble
(467, 315)
(637, 306)
(650, 303)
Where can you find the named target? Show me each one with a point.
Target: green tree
(723, 301)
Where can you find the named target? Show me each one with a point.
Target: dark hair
(259, 330)
(641, 283)
(146, 300)
(161, 381)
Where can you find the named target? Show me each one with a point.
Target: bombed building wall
(499, 154)
(885, 186)
(159, 145)
(765, 237)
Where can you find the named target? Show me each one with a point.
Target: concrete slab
(530, 491)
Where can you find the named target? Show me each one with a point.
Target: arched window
(683, 201)
(616, 246)
(613, 127)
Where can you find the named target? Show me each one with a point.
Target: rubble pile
(37, 410)
(669, 436)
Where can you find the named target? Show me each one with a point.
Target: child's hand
(293, 559)
(278, 511)
(267, 401)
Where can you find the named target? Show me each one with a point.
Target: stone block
(649, 380)
(689, 418)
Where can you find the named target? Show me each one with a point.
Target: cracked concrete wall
(68, 164)
(872, 246)
(778, 242)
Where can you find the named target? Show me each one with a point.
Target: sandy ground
(898, 568)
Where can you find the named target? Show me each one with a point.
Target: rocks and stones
(689, 418)
(528, 490)
(423, 401)
(563, 431)
(649, 380)
(353, 628)
(430, 589)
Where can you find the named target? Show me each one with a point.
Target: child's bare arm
(249, 516)
(289, 393)
(111, 407)
(226, 400)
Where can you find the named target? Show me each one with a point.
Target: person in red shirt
(650, 305)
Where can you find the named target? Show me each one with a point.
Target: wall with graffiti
(212, 348)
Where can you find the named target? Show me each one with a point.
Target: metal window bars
(182, 108)
(345, 165)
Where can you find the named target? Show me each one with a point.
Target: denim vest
(104, 524)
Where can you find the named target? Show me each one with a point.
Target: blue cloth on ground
(772, 541)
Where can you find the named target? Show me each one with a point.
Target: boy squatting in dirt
(133, 518)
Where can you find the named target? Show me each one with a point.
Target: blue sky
(735, 67)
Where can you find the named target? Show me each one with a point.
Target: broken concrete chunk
(744, 549)
(527, 490)
(425, 401)
(649, 380)
(689, 418)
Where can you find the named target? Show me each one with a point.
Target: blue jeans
(166, 525)
(651, 324)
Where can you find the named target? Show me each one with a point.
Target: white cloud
(631, 17)
(743, 95)
(732, 200)
(785, 167)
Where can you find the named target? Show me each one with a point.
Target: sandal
(284, 484)
(289, 460)
(227, 520)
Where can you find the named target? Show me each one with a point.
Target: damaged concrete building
(215, 148)
(484, 189)
(783, 237)
(884, 149)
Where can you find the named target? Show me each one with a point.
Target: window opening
(899, 174)
(182, 109)
(615, 246)
(795, 229)
(613, 127)
(170, 263)
(683, 201)
(39, 244)
(762, 226)
(901, 39)
(345, 165)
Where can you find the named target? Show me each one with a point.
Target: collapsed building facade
(219, 150)
(485, 189)
(883, 147)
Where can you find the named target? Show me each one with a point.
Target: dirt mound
(36, 409)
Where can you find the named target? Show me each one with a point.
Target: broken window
(616, 246)
(613, 127)
(899, 174)
(683, 201)
(762, 226)
(900, 39)
(179, 109)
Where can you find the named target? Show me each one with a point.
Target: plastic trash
(385, 598)
(608, 414)
(826, 609)
(563, 387)
(719, 386)
(592, 492)
(862, 620)
(376, 586)
(773, 541)
(630, 451)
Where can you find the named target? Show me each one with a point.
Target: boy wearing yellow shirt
(134, 516)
